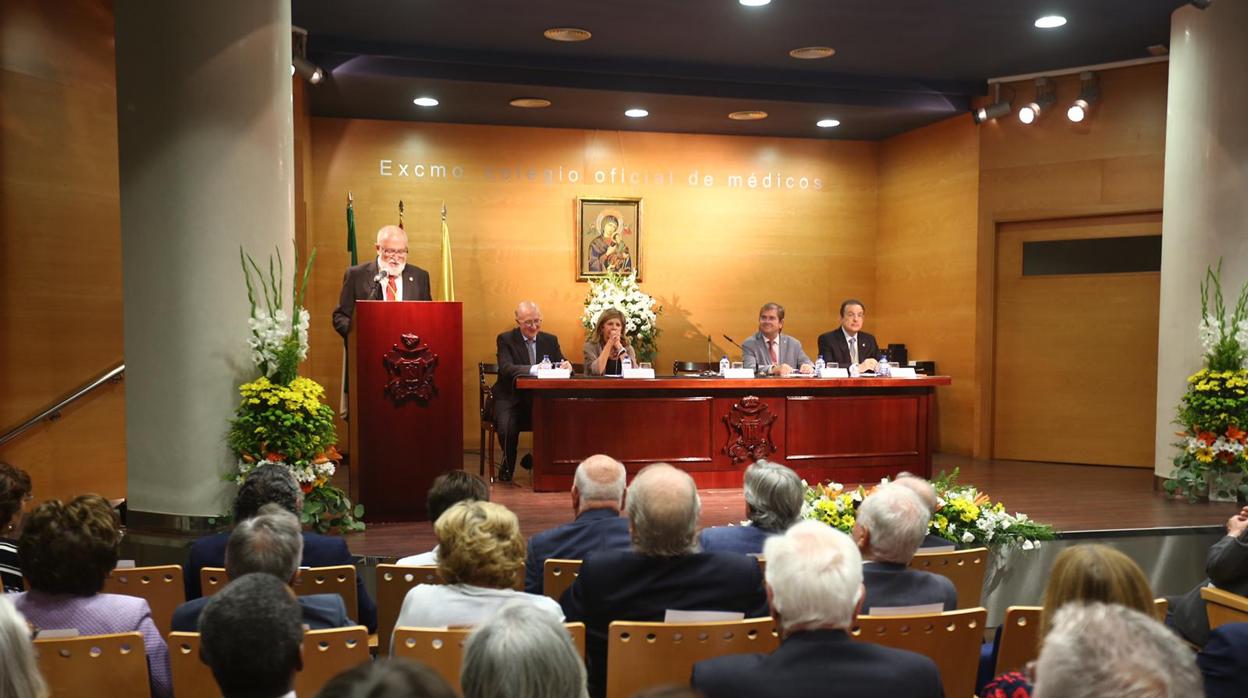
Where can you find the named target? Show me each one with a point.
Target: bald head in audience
(599, 484)
(663, 508)
(921, 487)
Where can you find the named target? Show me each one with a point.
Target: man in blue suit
(773, 502)
(662, 572)
(269, 542)
(275, 484)
(892, 522)
(1224, 662)
(597, 498)
(814, 588)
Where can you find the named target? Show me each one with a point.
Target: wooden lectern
(406, 417)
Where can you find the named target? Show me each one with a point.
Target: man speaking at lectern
(387, 278)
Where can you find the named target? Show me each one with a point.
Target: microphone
(376, 291)
(733, 343)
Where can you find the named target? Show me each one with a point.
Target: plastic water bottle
(626, 362)
(724, 365)
(853, 371)
(820, 364)
(884, 371)
(545, 365)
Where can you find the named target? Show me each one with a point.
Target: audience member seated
(661, 572)
(773, 502)
(1096, 650)
(1224, 662)
(388, 678)
(927, 495)
(597, 497)
(14, 497)
(814, 585)
(274, 484)
(521, 652)
(19, 674)
(251, 637)
(891, 524)
(1084, 573)
(67, 551)
(1227, 569)
(269, 542)
(480, 557)
(447, 489)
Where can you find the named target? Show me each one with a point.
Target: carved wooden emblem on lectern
(749, 431)
(409, 367)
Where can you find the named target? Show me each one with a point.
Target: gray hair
(390, 231)
(270, 542)
(521, 652)
(773, 496)
(19, 674)
(601, 478)
(921, 487)
(815, 575)
(1099, 649)
(663, 508)
(896, 520)
(267, 483)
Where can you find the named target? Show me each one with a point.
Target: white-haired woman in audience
(19, 675)
(773, 502)
(481, 559)
(521, 652)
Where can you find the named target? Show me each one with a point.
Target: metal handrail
(113, 375)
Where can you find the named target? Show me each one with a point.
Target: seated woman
(606, 343)
(14, 496)
(1090, 572)
(67, 551)
(773, 502)
(481, 559)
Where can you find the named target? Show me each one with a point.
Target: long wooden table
(843, 429)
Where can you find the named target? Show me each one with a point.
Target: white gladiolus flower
(967, 537)
(1210, 332)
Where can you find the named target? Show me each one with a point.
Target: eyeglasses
(531, 323)
(387, 252)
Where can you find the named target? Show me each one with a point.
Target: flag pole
(400, 213)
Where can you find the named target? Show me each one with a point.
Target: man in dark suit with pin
(520, 351)
(848, 345)
(387, 278)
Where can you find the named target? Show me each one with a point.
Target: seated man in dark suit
(520, 350)
(251, 638)
(847, 345)
(274, 484)
(927, 495)
(890, 526)
(661, 573)
(773, 502)
(597, 497)
(1224, 662)
(1227, 567)
(269, 542)
(814, 586)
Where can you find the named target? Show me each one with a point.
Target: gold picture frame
(618, 249)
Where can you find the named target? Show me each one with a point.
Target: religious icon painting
(608, 237)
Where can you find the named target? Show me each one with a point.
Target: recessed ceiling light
(754, 3)
(827, 123)
(810, 53)
(750, 115)
(425, 102)
(530, 102)
(566, 34)
(636, 113)
(1050, 22)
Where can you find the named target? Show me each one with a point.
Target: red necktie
(775, 356)
(392, 289)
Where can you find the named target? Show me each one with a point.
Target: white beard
(391, 268)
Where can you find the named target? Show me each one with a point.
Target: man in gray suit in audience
(891, 525)
(780, 353)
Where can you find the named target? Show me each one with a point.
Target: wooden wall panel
(712, 255)
(60, 242)
(925, 262)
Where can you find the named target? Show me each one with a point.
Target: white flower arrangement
(620, 291)
(308, 475)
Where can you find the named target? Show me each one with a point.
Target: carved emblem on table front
(749, 431)
(409, 370)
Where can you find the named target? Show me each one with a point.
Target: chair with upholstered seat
(965, 568)
(443, 648)
(161, 585)
(80, 666)
(640, 655)
(950, 639)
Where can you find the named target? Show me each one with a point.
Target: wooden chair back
(1020, 635)
(950, 639)
(1224, 607)
(212, 580)
(161, 585)
(965, 568)
(443, 648)
(95, 665)
(640, 655)
(393, 583)
(336, 579)
(326, 653)
(558, 575)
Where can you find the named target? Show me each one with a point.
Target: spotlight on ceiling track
(996, 110)
(299, 63)
(1044, 99)
(1089, 92)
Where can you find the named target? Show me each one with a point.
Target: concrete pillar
(1206, 199)
(206, 155)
